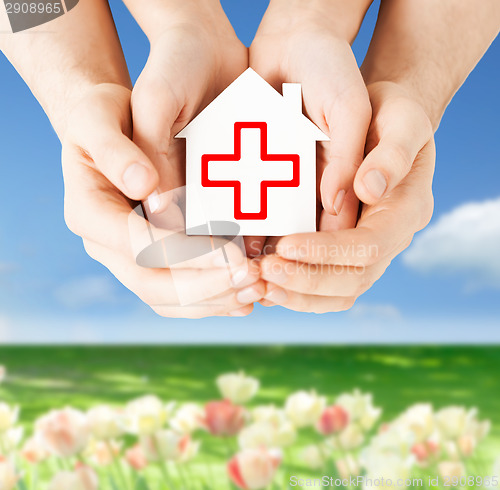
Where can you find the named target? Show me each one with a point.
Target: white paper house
(251, 160)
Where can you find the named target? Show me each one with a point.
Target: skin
(88, 101)
(417, 60)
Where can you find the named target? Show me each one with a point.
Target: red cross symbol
(257, 170)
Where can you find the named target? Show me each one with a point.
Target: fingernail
(277, 295)
(274, 274)
(240, 277)
(339, 202)
(247, 296)
(240, 312)
(154, 202)
(375, 183)
(136, 179)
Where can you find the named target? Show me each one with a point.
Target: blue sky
(50, 291)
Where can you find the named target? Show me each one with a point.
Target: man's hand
(104, 173)
(327, 271)
(308, 43)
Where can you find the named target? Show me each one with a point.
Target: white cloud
(372, 311)
(465, 242)
(87, 291)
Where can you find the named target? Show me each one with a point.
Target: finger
(179, 288)
(95, 210)
(403, 129)
(103, 143)
(226, 305)
(380, 230)
(348, 118)
(347, 217)
(320, 279)
(304, 302)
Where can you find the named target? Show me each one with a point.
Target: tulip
(351, 437)
(103, 453)
(8, 416)
(147, 415)
(419, 419)
(237, 387)
(136, 458)
(347, 467)
(313, 457)
(332, 420)
(254, 469)
(450, 469)
(105, 422)
(8, 476)
(222, 418)
(34, 451)
(65, 432)
(451, 421)
(360, 408)
(425, 451)
(10, 440)
(167, 445)
(187, 419)
(267, 434)
(83, 478)
(304, 409)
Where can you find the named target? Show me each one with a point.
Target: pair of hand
(108, 166)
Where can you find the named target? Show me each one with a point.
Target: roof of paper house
(253, 93)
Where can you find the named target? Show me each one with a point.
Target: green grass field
(42, 378)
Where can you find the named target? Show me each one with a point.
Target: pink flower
(222, 418)
(65, 432)
(254, 469)
(332, 420)
(136, 458)
(425, 451)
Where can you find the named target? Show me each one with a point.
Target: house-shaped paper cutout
(252, 111)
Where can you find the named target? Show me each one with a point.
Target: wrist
(160, 16)
(340, 18)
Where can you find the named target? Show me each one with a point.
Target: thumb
(403, 129)
(99, 131)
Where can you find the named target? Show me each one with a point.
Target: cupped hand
(299, 45)
(190, 63)
(105, 176)
(328, 270)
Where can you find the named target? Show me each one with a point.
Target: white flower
(65, 432)
(8, 476)
(267, 434)
(388, 466)
(103, 453)
(8, 416)
(10, 440)
(419, 419)
(360, 408)
(313, 457)
(304, 408)
(105, 422)
(147, 415)
(167, 445)
(34, 450)
(83, 478)
(451, 469)
(452, 421)
(347, 467)
(238, 387)
(188, 418)
(350, 438)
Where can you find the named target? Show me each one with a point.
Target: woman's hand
(327, 271)
(105, 173)
(195, 55)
